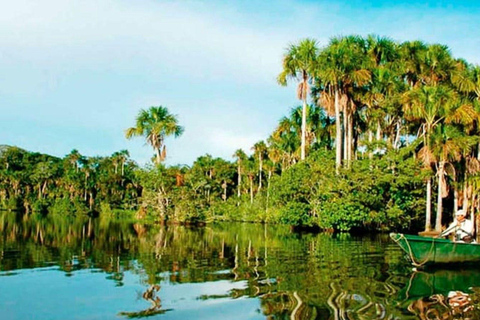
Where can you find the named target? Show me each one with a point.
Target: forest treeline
(385, 132)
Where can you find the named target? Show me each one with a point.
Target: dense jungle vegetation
(385, 131)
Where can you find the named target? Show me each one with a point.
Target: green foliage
(373, 195)
(13, 203)
(61, 207)
(74, 185)
(40, 206)
(371, 98)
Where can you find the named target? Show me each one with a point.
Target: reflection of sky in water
(48, 293)
(232, 271)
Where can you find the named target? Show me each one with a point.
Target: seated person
(462, 227)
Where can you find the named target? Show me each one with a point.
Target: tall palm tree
(411, 61)
(118, 159)
(74, 158)
(241, 159)
(299, 62)
(432, 106)
(260, 150)
(426, 104)
(284, 139)
(448, 144)
(341, 69)
(155, 124)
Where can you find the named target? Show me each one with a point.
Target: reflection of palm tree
(156, 308)
(297, 307)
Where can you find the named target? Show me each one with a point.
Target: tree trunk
(396, 144)
(268, 185)
(370, 140)
(438, 221)
(251, 189)
(455, 201)
(338, 134)
(260, 173)
(345, 132)
(158, 155)
(304, 128)
(350, 139)
(428, 206)
(379, 133)
(44, 188)
(239, 180)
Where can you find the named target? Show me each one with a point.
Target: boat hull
(427, 250)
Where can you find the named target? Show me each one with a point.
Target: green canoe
(426, 251)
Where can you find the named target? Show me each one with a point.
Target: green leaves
(155, 124)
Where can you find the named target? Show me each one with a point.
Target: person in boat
(461, 227)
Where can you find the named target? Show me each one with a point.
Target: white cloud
(83, 69)
(173, 37)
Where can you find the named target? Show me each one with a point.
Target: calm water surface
(54, 268)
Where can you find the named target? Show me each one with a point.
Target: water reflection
(229, 271)
(149, 295)
(443, 294)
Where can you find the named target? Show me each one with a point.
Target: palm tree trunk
(350, 139)
(239, 180)
(251, 189)
(370, 140)
(345, 132)
(224, 186)
(338, 135)
(268, 185)
(44, 188)
(260, 173)
(455, 200)
(158, 155)
(428, 206)
(379, 132)
(438, 221)
(304, 128)
(396, 145)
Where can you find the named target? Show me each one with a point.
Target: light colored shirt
(461, 229)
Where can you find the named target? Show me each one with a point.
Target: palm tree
(448, 145)
(411, 60)
(426, 104)
(74, 158)
(299, 62)
(284, 140)
(342, 69)
(432, 106)
(241, 158)
(260, 149)
(155, 124)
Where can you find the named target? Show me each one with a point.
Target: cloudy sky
(74, 74)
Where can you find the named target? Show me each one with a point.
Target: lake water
(55, 268)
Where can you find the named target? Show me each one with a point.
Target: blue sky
(74, 74)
